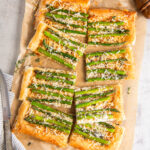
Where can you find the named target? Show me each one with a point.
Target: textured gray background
(11, 15)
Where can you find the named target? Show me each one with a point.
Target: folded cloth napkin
(17, 145)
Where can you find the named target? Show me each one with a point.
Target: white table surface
(11, 15)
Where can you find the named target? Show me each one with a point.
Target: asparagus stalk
(107, 35)
(52, 51)
(49, 109)
(109, 127)
(39, 76)
(66, 24)
(105, 125)
(100, 140)
(62, 129)
(105, 61)
(106, 44)
(50, 101)
(49, 93)
(59, 16)
(62, 42)
(73, 31)
(108, 30)
(51, 87)
(67, 40)
(67, 11)
(119, 72)
(119, 23)
(55, 74)
(62, 61)
(101, 89)
(92, 102)
(92, 116)
(95, 95)
(106, 53)
(97, 111)
(118, 77)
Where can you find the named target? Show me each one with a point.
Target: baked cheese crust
(44, 133)
(119, 25)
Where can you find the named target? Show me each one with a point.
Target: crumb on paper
(29, 143)
(37, 60)
(128, 90)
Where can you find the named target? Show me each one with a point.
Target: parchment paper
(130, 87)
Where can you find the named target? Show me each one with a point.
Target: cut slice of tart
(56, 45)
(96, 136)
(48, 86)
(66, 15)
(43, 122)
(99, 103)
(110, 27)
(109, 65)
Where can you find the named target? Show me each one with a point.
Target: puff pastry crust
(122, 15)
(46, 134)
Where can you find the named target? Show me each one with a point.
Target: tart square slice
(96, 136)
(99, 103)
(43, 122)
(110, 27)
(53, 87)
(56, 45)
(66, 15)
(109, 65)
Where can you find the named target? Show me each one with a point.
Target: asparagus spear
(100, 140)
(92, 102)
(107, 35)
(119, 23)
(90, 116)
(33, 121)
(119, 72)
(49, 93)
(67, 11)
(49, 109)
(106, 61)
(39, 76)
(106, 53)
(73, 31)
(50, 101)
(55, 74)
(97, 111)
(118, 77)
(104, 125)
(59, 16)
(52, 51)
(62, 42)
(101, 89)
(68, 40)
(95, 95)
(109, 127)
(66, 24)
(51, 87)
(106, 44)
(109, 30)
(62, 61)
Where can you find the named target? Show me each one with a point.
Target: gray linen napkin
(17, 145)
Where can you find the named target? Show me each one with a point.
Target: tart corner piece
(51, 86)
(117, 64)
(65, 15)
(111, 27)
(84, 142)
(99, 103)
(24, 125)
(56, 45)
